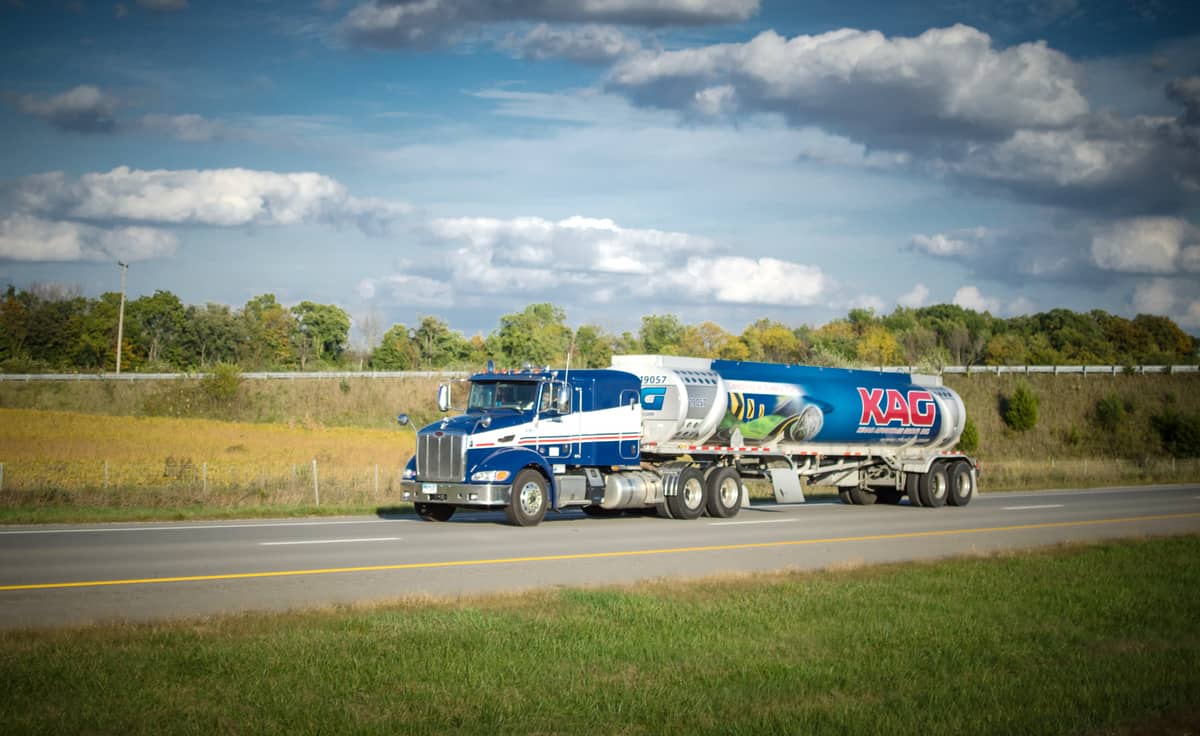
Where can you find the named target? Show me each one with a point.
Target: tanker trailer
(679, 435)
(875, 436)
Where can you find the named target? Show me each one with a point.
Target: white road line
(200, 526)
(330, 541)
(1030, 508)
(761, 521)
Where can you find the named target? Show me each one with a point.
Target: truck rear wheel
(962, 484)
(527, 507)
(688, 501)
(934, 486)
(912, 487)
(434, 511)
(724, 493)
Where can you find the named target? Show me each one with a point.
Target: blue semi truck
(680, 434)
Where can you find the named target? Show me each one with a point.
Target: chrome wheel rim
(728, 492)
(693, 493)
(530, 498)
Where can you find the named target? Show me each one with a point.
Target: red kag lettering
(871, 413)
(916, 409)
(923, 408)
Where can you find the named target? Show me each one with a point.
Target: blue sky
(721, 160)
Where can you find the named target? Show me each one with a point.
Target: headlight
(490, 476)
(410, 473)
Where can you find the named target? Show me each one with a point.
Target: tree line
(53, 329)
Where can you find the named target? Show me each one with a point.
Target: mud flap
(786, 483)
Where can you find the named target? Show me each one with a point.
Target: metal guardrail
(1087, 370)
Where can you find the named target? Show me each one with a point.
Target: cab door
(558, 430)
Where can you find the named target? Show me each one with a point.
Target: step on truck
(679, 435)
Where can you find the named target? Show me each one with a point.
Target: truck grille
(440, 457)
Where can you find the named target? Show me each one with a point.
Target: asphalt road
(54, 576)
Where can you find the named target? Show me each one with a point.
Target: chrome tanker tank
(701, 401)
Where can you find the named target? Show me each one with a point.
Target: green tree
(13, 325)
(1021, 412)
(594, 346)
(324, 327)
(660, 334)
(396, 351)
(704, 340)
(537, 335)
(437, 345)
(211, 334)
(268, 331)
(159, 322)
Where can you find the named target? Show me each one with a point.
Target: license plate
(429, 488)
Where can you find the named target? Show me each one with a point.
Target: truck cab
(525, 443)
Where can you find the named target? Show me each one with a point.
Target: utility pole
(121, 318)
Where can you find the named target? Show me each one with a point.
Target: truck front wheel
(527, 507)
(688, 501)
(434, 511)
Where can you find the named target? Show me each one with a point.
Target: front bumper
(457, 494)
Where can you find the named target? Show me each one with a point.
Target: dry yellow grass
(54, 456)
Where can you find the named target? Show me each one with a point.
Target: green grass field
(1078, 640)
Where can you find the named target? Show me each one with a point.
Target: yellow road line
(600, 555)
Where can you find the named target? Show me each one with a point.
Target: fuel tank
(723, 402)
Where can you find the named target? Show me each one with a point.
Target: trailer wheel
(527, 507)
(934, 486)
(688, 501)
(912, 488)
(844, 494)
(859, 497)
(434, 511)
(724, 493)
(962, 484)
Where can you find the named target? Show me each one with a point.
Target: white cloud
(27, 238)
(408, 289)
(738, 280)
(582, 44)
(1140, 245)
(939, 245)
(970, 297)
(575, 243)
(947, 83)
(213, 197)
(916, 297)
(423, 23)
(82, 109)
(1154, 297)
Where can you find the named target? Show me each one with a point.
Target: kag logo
(916, 409)
(653, 398)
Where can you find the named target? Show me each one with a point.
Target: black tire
(889, 496)
(912, 488)
(934, 486)
(530, 499)
(724, 493)
(862, 498)
(962, 483)
(844, 494)
(688, 501)
(434, 511)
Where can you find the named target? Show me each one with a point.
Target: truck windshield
(518, 395)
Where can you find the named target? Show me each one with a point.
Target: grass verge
(1097, 639)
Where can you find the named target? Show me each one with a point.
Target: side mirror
(403, 420)
(443, 399)
(564, 399)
